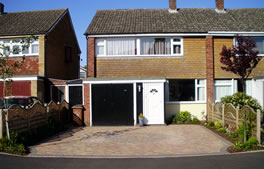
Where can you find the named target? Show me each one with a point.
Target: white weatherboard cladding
(258, 91)
(153, 103)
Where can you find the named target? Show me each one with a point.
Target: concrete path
(173, 140)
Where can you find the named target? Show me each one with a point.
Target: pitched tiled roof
(29, 22)
(187, 20)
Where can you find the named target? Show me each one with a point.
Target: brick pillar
(86, 116)
(91, 57)
(219, 5)
(210, 69)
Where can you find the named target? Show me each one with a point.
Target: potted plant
(141, 119)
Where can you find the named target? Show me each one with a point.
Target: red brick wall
(86, 104)
(30, 66)
(220, 4)
(91, 58)
(19, 88)
(210, 68)
(173, 4)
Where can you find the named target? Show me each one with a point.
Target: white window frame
(195, 94)
(11, 44)
(138, 46)
(103, 44)
(235, 43)
(200, 86)
(232, 84)
(176, 43)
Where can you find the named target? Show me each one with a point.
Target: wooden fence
(25, 119)
(233, 116)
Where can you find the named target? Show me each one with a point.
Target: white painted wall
(195, 109)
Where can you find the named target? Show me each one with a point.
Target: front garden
(235, 118)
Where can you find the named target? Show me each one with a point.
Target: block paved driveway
(172, 140)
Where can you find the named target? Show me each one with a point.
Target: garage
(112, 104)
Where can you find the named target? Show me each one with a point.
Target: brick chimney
(1, 8)
(219, 5)
(173, 6)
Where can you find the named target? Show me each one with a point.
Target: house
(83, 72)
(50, 60)
(162, 61)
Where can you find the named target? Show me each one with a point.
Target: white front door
(153, 103)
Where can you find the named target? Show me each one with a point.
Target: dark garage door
(112, 104)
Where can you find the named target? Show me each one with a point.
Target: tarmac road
(230, 161)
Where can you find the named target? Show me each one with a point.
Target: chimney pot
(219, 5)
(1, 8)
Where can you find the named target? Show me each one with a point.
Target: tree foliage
(240, 59)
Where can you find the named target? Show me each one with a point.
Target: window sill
(185, 102)
(143, 56)
(18, 56)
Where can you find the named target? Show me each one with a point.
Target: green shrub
(233, 134)
(240, 130)
(195, 120)
(241, 99)
(218, 124)
(182, 117)
(250, 144)
(12, 145)
(222, 129)
(210, 124)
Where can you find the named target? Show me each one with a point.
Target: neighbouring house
(162, 61)
(50, 60)
(83, 72)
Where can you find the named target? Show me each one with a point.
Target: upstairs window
(155, 46)
(142, 46)
(260, 45)
(14, 47)
(116, 47)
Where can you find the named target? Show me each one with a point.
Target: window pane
(99, 50)
(15, 50)
(35, 48)
(120, 46)
(222, 91)
(176, 40)
(25, 51)
(201, 82)
(201, 94)
(7, 50)
(259, 44)
(182, 90)
(176, 49)
(223, 81)
(155, 46)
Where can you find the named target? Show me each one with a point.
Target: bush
(218, 124)
(240, 130)
(12, 145)
(195, 120)
(241, 99)
(222, 129)
(182, 117)
(210, 124)
(250, 144)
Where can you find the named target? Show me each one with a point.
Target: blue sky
(82, 11)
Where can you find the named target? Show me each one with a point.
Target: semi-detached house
(162, 61)
(50, 60)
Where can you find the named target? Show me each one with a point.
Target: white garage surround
(153, 97)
